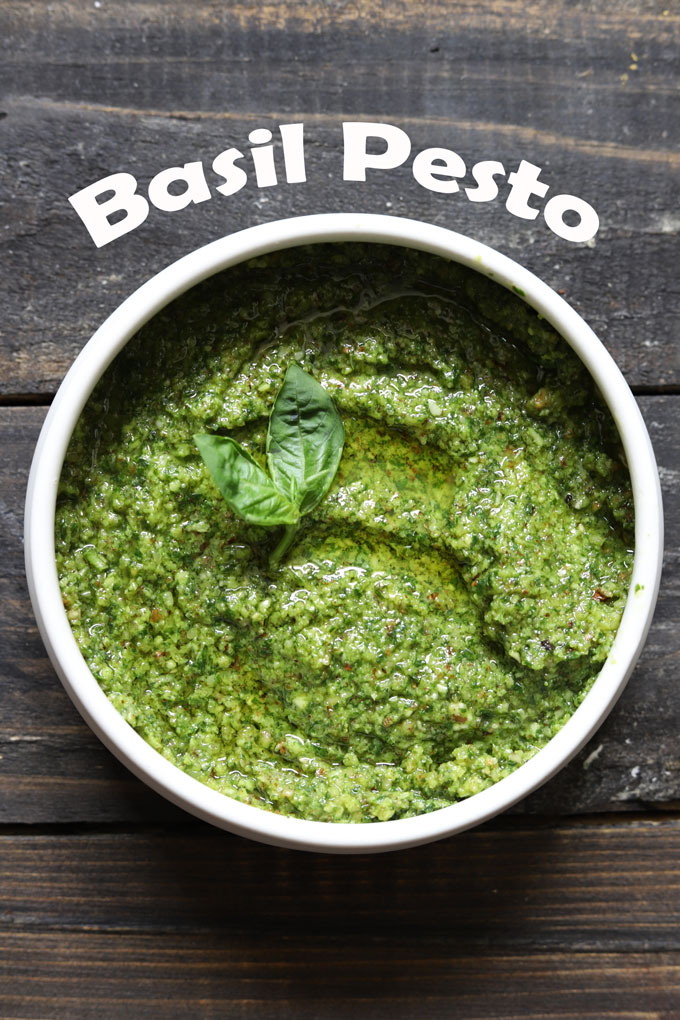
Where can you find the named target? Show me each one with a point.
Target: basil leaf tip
(305, 440)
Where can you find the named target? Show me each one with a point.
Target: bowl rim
(82, 687)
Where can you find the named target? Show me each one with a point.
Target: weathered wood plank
(299, 977)
(606, 887)
(583, 91)
(53, 769)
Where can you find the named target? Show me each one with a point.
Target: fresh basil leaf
(247, 489)
(304, 440)
(304, 446)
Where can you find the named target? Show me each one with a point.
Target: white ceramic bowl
(84, 690)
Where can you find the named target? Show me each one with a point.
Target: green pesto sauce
(444, 609)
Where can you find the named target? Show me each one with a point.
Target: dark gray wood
(295, 976)
(53, 769)
(508, 885)
(584, 91)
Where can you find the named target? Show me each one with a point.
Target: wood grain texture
(508, 885)
(302, 977)
(585, 91)
(53, 769)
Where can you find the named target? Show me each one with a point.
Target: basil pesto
(442, 610)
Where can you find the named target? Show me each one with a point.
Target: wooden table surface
(112, 902)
